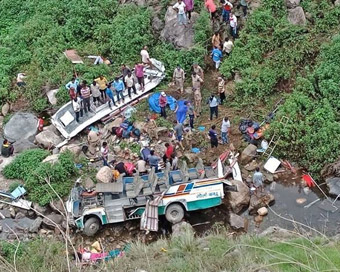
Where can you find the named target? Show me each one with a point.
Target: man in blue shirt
(213, 136)
(109, 94)
(119, 86)
(216, 56)
(73, 83)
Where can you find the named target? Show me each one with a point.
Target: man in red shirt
(163, 101)
(168, 153)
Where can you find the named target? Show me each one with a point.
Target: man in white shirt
(213, 104)
(145, 55)
(224, 130)
(228, 46)
(180, 8)
(233, 25)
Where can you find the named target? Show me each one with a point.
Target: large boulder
(296, 16)
(22, 145)
(22, 125)
(74, 148)
(248, 154)
(292, 3)
(181, 229)
(337, 3)
(238, 200)
(237, 222)
(179, 35)
(104, 175)
(48, 139)
(52, 219)
(333, 185)
(259, 200)
(51, 95)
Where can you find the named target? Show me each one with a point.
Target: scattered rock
(52, 158)
(56, 218)
(43, 232)
(301, 201)
(275, 231)
(88, 183)
(240, 199)
(262, 211)
(48, 139)
(248, 154)
(259, 201)
(12, 211)
(19, 215)
(21, 126)
(178, 35)
(5, 109)
(74, 148)
(251, 166)
(22, 145)
(6, 213)
(182, 228)
(104, 175)
(337, 3)
(35, 225)
(237, 222)
(268, 177)
(57, 206)
(296, 16)
(39, 208)
(157, 24)
(117, 149)
(51, 95)
(292, 3)
(333, 184)
(258, 219)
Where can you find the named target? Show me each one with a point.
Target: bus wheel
(91, 226)
(174, 213)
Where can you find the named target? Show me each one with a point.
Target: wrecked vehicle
(169, 193)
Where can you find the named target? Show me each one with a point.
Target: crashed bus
(168, 193)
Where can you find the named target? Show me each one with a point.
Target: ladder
(275, 138)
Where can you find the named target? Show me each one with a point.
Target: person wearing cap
(221, 89)
(178, 78)
(198, 70)
(163, 101)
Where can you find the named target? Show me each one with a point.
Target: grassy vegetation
(215, 252)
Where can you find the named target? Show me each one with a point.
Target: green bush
(23, 165)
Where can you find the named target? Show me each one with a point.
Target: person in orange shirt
(211, 7)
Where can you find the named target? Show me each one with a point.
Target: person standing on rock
(73, 83)
(178, 78)
(76, 104)
(221, 89)
(226, 10)
(86, 96)
(163, 101)
(109, 94)
(154, 160)
(213, 105)
(104, 150)
(94, 87)
(179, 133)
(198, 70)
(233, 25)
(93, 140)
(213, 136)
(216, 55)
(189, 7)
(225, 130)
(258, 180)
(102, 82)
(211, 7)
(180, 8)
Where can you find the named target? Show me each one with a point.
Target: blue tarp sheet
(154, 104)
(181, 113)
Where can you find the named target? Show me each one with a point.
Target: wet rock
(240, 199)
(248, 154)
(237, 222)
(52, 159)
(275, 231)
(35, 225)
(182, 228)
(259, 201)
(39, 209)
(292, 3)
(178, 35)
(22, 145)
(48, 139)
(296, 16)
(56, 218)
(5, 109)
(74, 148)
(262, 211)
(21, 126)
(333, 185)
(104, 175)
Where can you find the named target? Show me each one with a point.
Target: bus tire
(174, 213)
(91, 226)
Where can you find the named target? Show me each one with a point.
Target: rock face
(333, 185)
(35, 225)
(104, 175)
(237, 222)
(296, 16)
(182, 228)
(56, 218)
(178, 35)
(21, 126)
(74, 148)
(22, 145)
(292, 3)
(51, 95)
(240, 199)
(337, 3)
(257, 202)
(248, 154)
(48, 138)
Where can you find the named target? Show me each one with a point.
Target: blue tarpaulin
(154, 102)
(181, 111)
